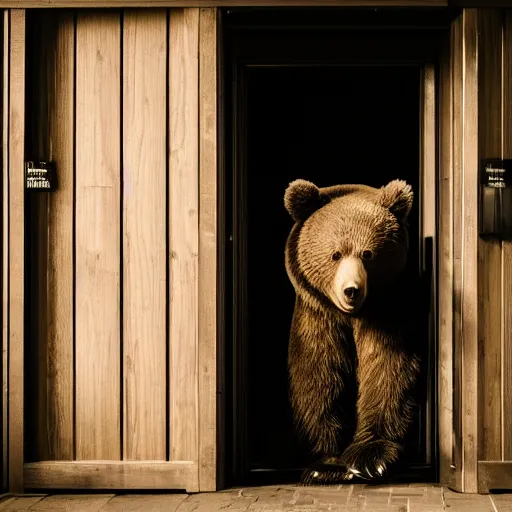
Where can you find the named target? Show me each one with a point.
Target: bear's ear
(397, 196)
(302, 198)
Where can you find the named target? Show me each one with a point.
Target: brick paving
(286, 498)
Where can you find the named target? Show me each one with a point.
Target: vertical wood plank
(98, 236)
(445, 247)
(207, 248)
(489, 251)
(144, 234)
(60, 242)
(470, 250)
(507, 246)
(457, 146)
(183, 232)
(16, 193)
(5, 247)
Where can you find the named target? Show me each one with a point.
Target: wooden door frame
(237, 67)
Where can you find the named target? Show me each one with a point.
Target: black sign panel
(495, 216)
(40, 176)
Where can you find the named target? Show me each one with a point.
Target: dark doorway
(331, 105)
(330, 126)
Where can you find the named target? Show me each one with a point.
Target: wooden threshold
(494, 475)
(111, 475)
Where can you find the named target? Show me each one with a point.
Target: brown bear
(352, 369)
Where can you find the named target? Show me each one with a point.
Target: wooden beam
(101, 474)
(489, 251)
(445, 276)
(469, 308)
(217, 3)
(16, 230)
(207, 327)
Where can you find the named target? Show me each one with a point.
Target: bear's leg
(322, 386)
(386, 375)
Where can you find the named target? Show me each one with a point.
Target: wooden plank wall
(475, 124)
(130, 367)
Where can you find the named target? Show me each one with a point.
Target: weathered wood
(144, 234)
(457, 163)
(207, 329)
(60, 241)
(470, 251)
(5, 249)
(445, 279)
(111, 475)
(489, 251)
(26, 4)
(494, 475)
(16, 193)
(507, 248)
(428, 152)
(98, 236)
(183, 233)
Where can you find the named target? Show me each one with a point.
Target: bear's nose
(351, 292)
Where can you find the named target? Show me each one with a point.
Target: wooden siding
(13, 192)
(130, 369)
(475, 124)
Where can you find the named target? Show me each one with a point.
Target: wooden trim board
(494, 474)
(29, 4)
(16, 228)
(111, 475)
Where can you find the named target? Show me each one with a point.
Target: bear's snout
(350, 285)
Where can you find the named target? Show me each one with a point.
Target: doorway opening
(332, 97)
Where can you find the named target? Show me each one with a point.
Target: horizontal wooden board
(494, 475)
(27, 4)
(111, 475)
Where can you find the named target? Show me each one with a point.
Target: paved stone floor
(348, 498)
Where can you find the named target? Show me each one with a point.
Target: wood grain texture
(428, 153)
(207, 332)
(428, 209)
(16, 206)
(489, 251)
(111, 475)
(183, 233)
(26, 4)
(494, 475)
(144, 234)
(507, 247)
(445, 272)
(60, 241)
(5, 248)
(457, 163)
(470, 251)
(98, 236)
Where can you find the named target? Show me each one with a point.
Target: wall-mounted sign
(496, 198)
(40, 176)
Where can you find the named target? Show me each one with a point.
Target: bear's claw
(373, 456)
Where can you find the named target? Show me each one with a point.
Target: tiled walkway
(348, 498)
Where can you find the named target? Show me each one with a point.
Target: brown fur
(351, 375)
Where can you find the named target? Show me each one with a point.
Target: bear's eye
(367, 255)
(336, 256)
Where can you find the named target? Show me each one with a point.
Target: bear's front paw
(371, 459)
(326, 472)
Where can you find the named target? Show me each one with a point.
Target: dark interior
(331, 96)
(330, 126)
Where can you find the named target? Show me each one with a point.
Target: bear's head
(347, 240)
